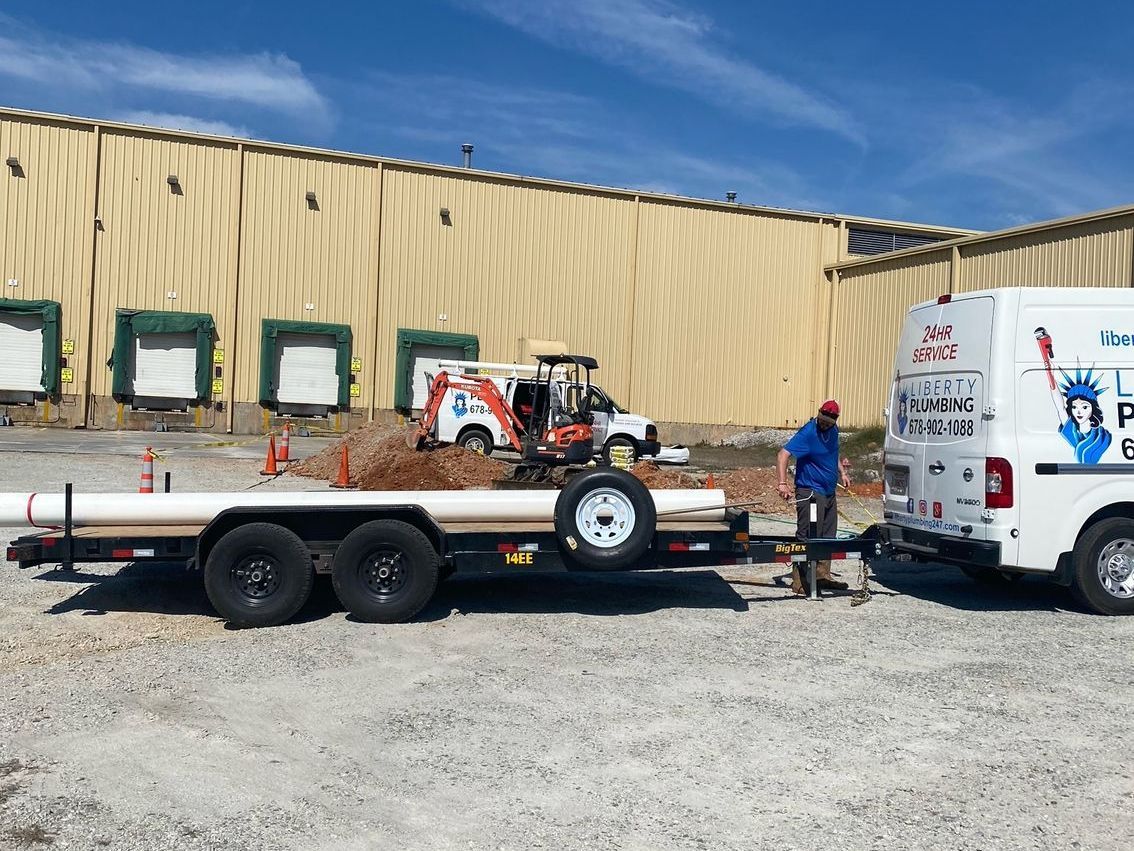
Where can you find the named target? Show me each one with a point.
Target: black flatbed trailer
(248, 554)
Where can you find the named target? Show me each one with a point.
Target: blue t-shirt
(816, 458)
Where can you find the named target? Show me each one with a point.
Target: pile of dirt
(756, 485)
(655, 478)
(381, 461)
(867, 489)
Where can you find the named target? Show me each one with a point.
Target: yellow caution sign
(68, 347)
(218, 385)
(218, 355)
(356, 364)
(355, 391)
(67, 375)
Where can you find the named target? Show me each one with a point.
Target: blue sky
(981, 115)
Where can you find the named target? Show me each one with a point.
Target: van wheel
(623, 444)
(259, 574)
(385, 571)
(476, 440)
(990, 575)
(605, 519)
(1104, 567)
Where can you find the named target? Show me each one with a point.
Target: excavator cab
(558, 430)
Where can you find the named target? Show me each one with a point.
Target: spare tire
(605, 519)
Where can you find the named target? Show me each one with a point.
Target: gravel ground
(692, 710)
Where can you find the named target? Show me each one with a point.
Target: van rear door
(935, 436)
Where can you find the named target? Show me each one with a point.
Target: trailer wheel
(476, 440)
(1103, 563)
(259, 574)
(385, 571)
(605, 520)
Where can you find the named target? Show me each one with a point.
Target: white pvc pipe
(175, 509)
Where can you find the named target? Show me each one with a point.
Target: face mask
(824, 422)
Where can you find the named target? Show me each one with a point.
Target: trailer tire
(604, 520)
(476, 440)
(385, 571)
(1103, 567)
(259, 574)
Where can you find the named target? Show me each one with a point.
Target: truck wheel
(1104, 567)
(385, 571)
(605, 520)
(259, 574)
(476, 440)
(621, 443)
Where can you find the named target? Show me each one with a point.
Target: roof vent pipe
(467, 150)
(730, 196)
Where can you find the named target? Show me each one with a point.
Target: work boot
(824, 580)
(799, 580)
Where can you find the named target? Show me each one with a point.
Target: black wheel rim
(255, 578)
(383, 573)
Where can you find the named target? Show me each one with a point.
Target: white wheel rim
(605, 517)
(1116, 568)
(476, 444)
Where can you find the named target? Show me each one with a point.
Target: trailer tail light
(997, 483)
(944, 299)
(12, 554)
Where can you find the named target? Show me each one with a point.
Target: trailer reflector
(678, 547)
(131, 553)
(507, 548)
(12, 554)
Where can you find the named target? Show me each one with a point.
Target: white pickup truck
(469, 423)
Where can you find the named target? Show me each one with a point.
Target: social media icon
(937, 510)
(922, 507)
(909, 505)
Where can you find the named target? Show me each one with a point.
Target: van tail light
(944, 299)
(997, 483)
(651, 433)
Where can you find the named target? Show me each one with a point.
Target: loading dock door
(165, 366)
(423, 359)
(21, 352)
(305, 369)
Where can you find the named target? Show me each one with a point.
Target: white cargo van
(469, 422)
(1010, 438)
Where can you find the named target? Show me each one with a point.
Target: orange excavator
(558, 432)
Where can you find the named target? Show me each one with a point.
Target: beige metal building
(872, 294)
(156, 276)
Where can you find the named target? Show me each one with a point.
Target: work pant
(826, 526)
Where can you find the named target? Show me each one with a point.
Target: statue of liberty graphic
(1082, 428)
(1080, 395)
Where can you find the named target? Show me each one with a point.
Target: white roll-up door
(305, 369)
(21, 352)
(165, 366)
(423, 359)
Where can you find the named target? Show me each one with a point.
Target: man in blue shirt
(815, 448)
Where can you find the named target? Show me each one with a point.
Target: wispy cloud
(268, 81)
(549, 133)
(174, 121)
(663, 42)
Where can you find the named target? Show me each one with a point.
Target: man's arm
(781, 469)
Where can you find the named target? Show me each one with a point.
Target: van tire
(385, 571)
(1106, 547)
(620, 442)
(605, 519)
(476, 440)
(259, 574)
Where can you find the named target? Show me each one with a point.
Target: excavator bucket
(415, 437)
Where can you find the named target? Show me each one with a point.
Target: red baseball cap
(830, 408)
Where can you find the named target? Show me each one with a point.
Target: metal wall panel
(724, 315)
(1087, 254)
(46, 225)
(155, 241)
(872, 303)
(508, 262)
(312, 263)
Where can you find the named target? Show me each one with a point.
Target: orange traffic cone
(270, 465)
(344, 472)
(285, 444)
(710, 484)
(146, 484)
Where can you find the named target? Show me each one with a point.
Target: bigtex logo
(791, 548)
